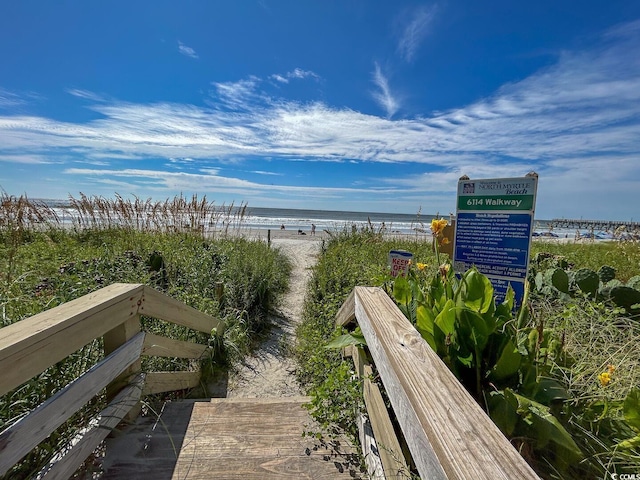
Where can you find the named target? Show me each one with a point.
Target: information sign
(494, 223)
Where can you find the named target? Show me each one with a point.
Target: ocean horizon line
(358, 215)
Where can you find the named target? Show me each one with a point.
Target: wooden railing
(32, 345)
(447, 433)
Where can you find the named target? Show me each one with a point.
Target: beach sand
(270, 370)
(276, 234)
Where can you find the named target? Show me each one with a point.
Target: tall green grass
(43, 265)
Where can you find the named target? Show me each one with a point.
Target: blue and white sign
(494, 224)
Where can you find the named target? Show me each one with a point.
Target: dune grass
(44, 263)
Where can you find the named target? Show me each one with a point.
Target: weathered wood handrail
(448, 434)
(30, 346)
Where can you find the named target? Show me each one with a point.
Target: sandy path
(270, 371)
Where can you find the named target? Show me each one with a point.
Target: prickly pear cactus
(587, 280)
(558, 278)
(606, 273)
(614, 283)
(634, 282)
(626, 297)
(605, 290)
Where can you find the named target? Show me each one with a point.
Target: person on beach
(282, 227)
(313, 229)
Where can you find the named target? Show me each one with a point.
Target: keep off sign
(399, 261)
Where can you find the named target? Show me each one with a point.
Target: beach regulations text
(494, 223)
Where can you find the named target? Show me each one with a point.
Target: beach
(270, 370)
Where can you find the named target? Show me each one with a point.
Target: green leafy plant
(631, 412)
(516, 366)
(505, 363)
(350, 338)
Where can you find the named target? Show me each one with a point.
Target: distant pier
(593, 224)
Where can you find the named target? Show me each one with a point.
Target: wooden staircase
(222, 438)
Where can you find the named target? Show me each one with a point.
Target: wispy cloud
(414, 26)
(26, 159)
(9, 99)
(262, 172)
(186, 51)
(296, 73)
(177, 181)
(586, 104)
(299, 73)
(383, 95)
(86, 94)
(182, 161)
(237, 94)
(279, 78)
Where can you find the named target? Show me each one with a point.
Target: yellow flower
(444, 270)
(611, 369)
(437, 226)
(421, 266)
(605, 378)
(445, 241)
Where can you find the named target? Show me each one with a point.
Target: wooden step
(224, 438)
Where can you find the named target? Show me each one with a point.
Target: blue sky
(359, 105)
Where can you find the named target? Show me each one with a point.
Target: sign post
(494, 224)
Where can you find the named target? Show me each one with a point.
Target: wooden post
(448, 434)
(269, 237)
(219, 291)
(389, 451)
(114, 339)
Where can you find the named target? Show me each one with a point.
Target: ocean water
(298, 219)
(260, 218)
(295, 219)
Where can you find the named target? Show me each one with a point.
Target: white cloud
(296, 73)
(183, 160)
(383, 97)
(237, 94)
(279, 78)
(180, 181)
(77, 92)
(27, 159)
(186, 51)
(299, 73)
(414, 27)
(262, 172)
(9, 99)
